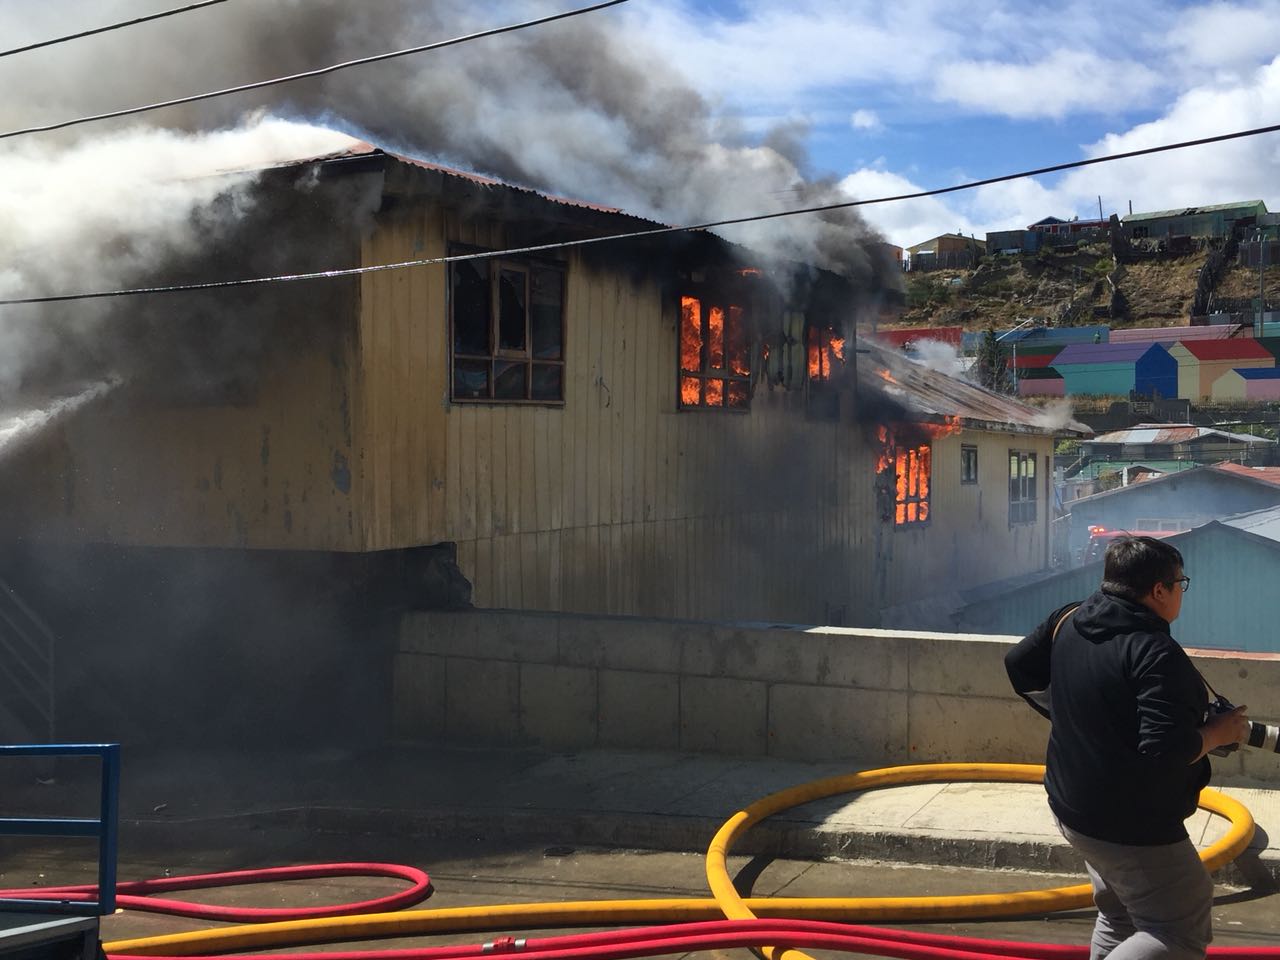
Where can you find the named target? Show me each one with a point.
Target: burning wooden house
(656, 426)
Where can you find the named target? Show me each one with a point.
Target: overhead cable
(320, 71)
(657, 231)
(112, 26)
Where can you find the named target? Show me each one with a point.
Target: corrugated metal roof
(1214, 331)
(1191, 211)
(362, 149)
(1237, 349)
(1266, 474)
(1104, 353)
(931, 395)
(1171, 433)
(1091, 471)
(1261, 523)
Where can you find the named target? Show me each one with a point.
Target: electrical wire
(113, 26)
(657, 231)
(320, 71)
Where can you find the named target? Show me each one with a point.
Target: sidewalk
(599, 797)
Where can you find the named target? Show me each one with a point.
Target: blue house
(1114, 369)
(1234, 606)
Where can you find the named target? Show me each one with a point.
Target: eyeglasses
(1185, 581)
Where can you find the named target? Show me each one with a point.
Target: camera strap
(1062, 619)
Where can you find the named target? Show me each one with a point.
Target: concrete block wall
(805, 693)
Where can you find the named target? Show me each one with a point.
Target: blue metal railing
(105, 827)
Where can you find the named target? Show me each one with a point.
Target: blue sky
(912, 95)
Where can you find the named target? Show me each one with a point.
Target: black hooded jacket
(1126, 705)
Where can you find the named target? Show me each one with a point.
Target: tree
(992, 366)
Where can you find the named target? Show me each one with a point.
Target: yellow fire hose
(726, 902)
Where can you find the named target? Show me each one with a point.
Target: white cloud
(1062, 83)
(906, 222)
(866, 120)
(1247, 169)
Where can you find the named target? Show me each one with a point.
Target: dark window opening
(508, 331)
(968, 464)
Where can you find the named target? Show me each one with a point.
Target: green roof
(1092, 471)
(1190, 211)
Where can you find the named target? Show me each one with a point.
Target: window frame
(1018, 506)
(498, 354)
(709, 298)
(968, 452)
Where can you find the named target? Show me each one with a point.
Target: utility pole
(1262, 264)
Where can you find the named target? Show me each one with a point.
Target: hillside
(1071, 288)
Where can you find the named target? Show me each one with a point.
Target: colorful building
(1117, 369)
(1201, 362)
(1249, 383)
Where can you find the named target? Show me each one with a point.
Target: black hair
(1134, 565)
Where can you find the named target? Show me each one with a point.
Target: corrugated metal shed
(1193, 211)
(1092, 471)
(1265, 474)
(933, 396)
(1171, 433)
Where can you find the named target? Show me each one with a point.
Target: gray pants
(1154, 903)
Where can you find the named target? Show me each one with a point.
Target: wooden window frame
(968, 451)
(710, 299)
(1023, 509)
(497, 353)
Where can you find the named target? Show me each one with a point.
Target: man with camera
(1130, 730)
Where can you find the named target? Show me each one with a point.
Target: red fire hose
(137, 894)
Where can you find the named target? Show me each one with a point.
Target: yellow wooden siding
(615, 501)
(276, 472)
(968, 539)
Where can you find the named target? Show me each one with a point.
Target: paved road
(469, 871)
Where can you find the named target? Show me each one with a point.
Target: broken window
(715, 358)
(1022, 487)
(507, 318)
(913, 468)
(968, 464)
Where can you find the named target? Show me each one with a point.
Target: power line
(114, 26)
(657, 231)
(321, 71)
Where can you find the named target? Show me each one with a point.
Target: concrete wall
(871, 697)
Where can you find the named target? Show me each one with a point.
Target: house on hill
(1213, 220)
(948, 251)
(1254, 385)
(1175, 441)
(1118, 369)
(1202, 362)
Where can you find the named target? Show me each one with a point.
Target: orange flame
(825, 352)
(950, 426)
(715, 338)
(912, 476)
(690, 335)
(690, 391)
(750, 272)
(886, 376)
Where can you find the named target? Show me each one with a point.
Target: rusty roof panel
(933, 395)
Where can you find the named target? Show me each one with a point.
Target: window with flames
(825, 352)
(715, 356)
(911, 472)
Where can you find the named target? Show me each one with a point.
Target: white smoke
(940, 356)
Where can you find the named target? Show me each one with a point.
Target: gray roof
(1261, 523)
(1191, 211)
